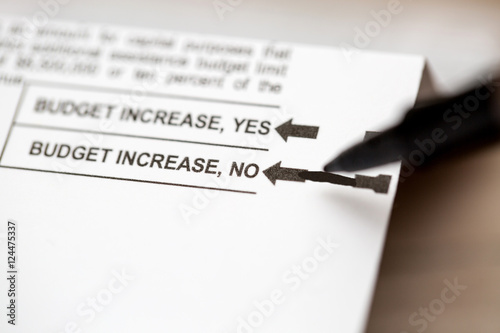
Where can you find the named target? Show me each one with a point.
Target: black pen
(429, 131)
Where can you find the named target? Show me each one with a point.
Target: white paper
(177, 244)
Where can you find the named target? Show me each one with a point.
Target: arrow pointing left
(379, 184)
(276, 172)
(299, 131)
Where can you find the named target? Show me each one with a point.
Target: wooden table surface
(445, 225)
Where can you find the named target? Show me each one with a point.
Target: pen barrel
(467, 119)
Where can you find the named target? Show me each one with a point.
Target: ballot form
(153, 181)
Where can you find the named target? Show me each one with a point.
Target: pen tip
(333, 166)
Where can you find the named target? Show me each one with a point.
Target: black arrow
(288, 129)
(379, 184)
(276, 172)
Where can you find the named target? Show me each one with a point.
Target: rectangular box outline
(28, 84)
